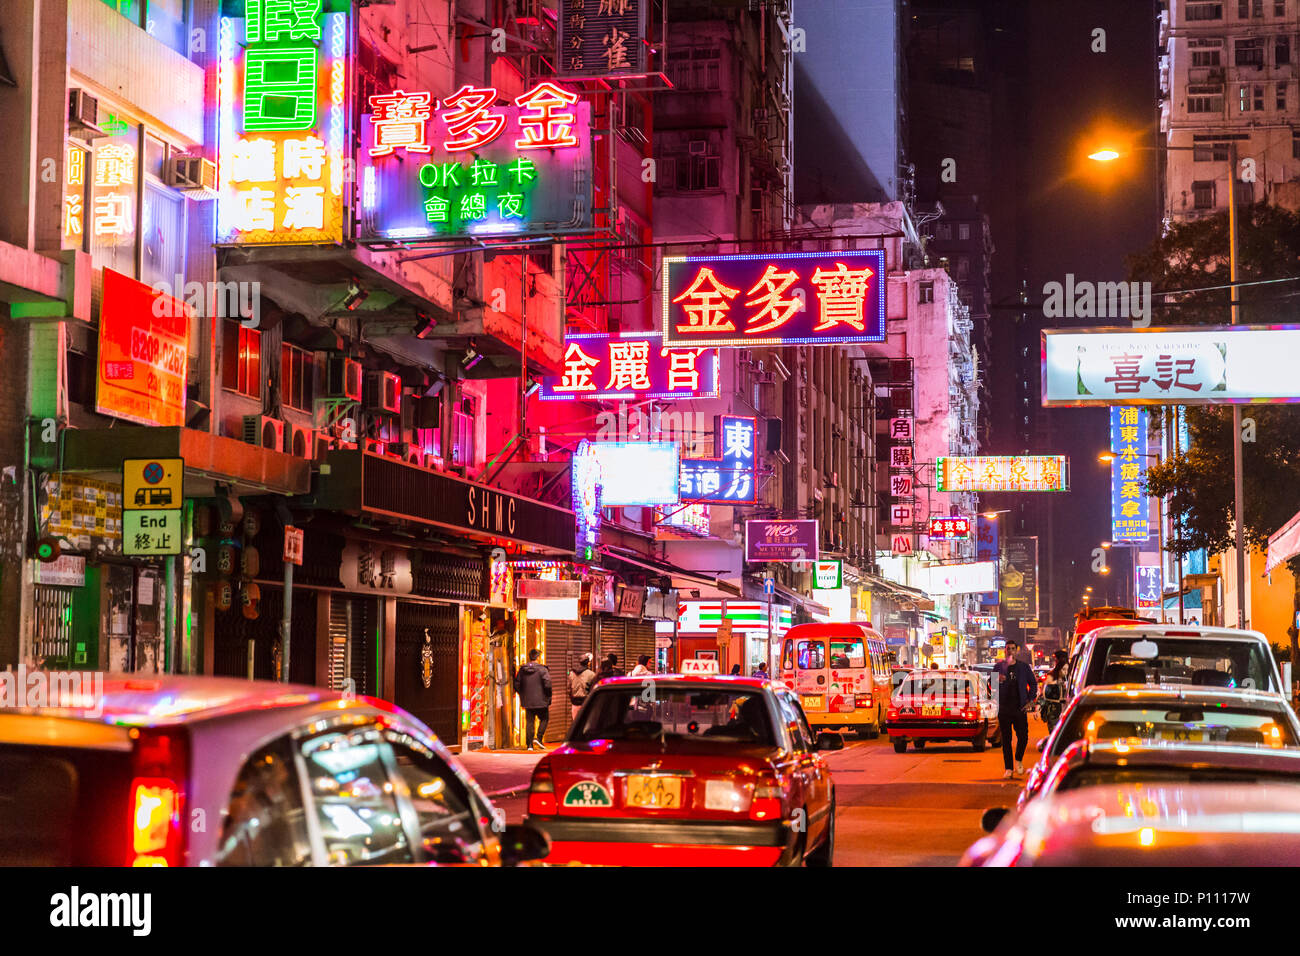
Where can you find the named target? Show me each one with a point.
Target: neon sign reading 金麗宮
(636, 365)
(466, 165)
(796, 298)
(730, 477)
(283, 122)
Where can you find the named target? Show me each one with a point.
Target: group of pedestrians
(533, 685)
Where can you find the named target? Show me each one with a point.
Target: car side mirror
(992, 817)
(829, 740)
(521, 843)
(1042, 742)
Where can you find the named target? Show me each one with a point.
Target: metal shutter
(565, 643)
(640, 639)
(352, 643)
(612, 641)
(438, 705)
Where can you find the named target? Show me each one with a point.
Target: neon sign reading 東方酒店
(468, 166)
(282, 93)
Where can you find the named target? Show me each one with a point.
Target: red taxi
(696, 770)
(939, 705)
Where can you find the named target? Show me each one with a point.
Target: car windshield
(1179, 660)
(1108, 776)
(936, 685)
(1213, 724)
(724, 715)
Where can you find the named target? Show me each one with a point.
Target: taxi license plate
(931, 711)
(813, 703)
(654, 792)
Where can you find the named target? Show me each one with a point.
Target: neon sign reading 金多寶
(597, 365)
(488, 169)
(729, 477)
(282, 94)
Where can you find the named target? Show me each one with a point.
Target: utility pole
(1238, 482)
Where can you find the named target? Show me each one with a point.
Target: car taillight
(541, 793)
(969, 712)
(160, 765)
(893, 712)
(861, 700)
(766, 804)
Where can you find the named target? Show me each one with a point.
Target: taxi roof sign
(700, 665)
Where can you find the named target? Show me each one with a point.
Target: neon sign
(74, 194)
(586, 500)
(1128, 499)
(633, 473)
(1004, 473)
(282, 123)
(796, 298)
(729, 478)
(631, 366)
(490, 170)
(950, 527)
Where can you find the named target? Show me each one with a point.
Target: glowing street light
(1104, 155)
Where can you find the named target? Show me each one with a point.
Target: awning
(876, 582)
(1191, 599)
(1283, 543)
(666, 569)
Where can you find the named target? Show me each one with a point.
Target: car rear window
(1109, 776)
(924, 685)
(847, 652)
(1192, 661)
(1227, 725)
(63, 806)
(729, 716)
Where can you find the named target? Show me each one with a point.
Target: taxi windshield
(1175, 722)
(724, 715)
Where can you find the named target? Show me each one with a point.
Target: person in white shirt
(641, 670)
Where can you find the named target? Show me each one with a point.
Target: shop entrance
(427, 645)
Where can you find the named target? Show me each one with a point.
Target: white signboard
(1171, 366)
(978, 576)
(699, 666)
(637, 472)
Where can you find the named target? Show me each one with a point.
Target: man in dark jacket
(581, 679)
(533, 685)
(1017, 691)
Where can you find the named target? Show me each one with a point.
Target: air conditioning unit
(408, 452)
(193, 175)
(83, 112)
(264, 431)
(383, 390)
(374, 446)
(299, 441)
(343, 377)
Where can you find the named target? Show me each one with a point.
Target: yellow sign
(153, 484)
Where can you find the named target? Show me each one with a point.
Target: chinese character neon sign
(632, 366)
(1004, 473)
(949, 527)
(1128, 497)
(282, 89)
(730, 477)
(798, 298)
(74, 178)
(491, 169)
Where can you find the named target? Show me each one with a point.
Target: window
(847, 652)
(1210, 152)
(708, 714)
(114, 178)
(1249, 8)
(787, 656)
(963, 230)
(462, 451)
(1279, 8)
(1250, 52)
(943, 230)
(1281, 97)
(1251, 97)
(1206, 57)
(353, 798)
(1282, 51)
(1205, 104)
(1295, 146)
(811, 655)
(296, 386)
(241, 359)
(1204, 11)
(266, 824)
(792, 716)
(696, 69)
(449, 830)
(963, 268)
(164, 20)
(162, 222)
(924, 292)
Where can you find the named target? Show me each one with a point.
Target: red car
(934, 706)
(688, 771)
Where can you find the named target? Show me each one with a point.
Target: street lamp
(1106, 154)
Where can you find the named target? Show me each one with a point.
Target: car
(934, 706)
(1139, 654)
(1143, 824)
(1180, 713)
(214, 771)
(693, 771)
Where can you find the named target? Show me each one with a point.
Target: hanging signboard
(632, 366)
(1003, 473)
(949, 527)
(793, 298)
(1128, 498)
(1019, 579)
(143, 353)
(781, 540)
(602, 38)
(730, 477)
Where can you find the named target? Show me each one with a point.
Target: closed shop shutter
(565, 643)
(612, 641)
(353, 622)
(438, 705)
(233, 631)
(640, 639)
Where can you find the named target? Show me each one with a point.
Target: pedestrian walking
(609, 668)
(735, 670)
(642, 669)
(761, 671)
(581, 679)
(533, 685)
(1017, 691)
(1054, 692)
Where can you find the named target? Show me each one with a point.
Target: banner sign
(781, 540)
(1019, 579)
(984, 622)
(631, 366)
(949, 527)
(828, 574)
(464, 166)
(730, 478)
(940, 579)
(1171, 366)
(143, 353)
(601, 38)
(986, 549)
(1003, 473)
(631, 473)
(793, 298)
(283, 118)
(1128, 498)
(1147, 587)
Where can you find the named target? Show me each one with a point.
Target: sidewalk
(500, 772)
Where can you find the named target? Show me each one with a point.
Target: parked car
(1141, 654)
(277, 774)
(1144, 824)
(705, 771)
(1200, 715)
(935, 706)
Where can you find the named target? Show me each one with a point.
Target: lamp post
(1106, 458)
(1238, 482)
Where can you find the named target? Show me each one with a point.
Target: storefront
(751, 634)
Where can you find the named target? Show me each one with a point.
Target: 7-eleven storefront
(755, 628)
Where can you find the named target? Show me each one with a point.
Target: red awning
(1283, 543)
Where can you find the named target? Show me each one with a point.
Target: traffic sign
(293, 545)
(151, 532)
(153, 483)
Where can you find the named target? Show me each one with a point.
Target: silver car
(211, 771)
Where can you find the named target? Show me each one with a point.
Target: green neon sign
(471, 191)
(280, 78)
